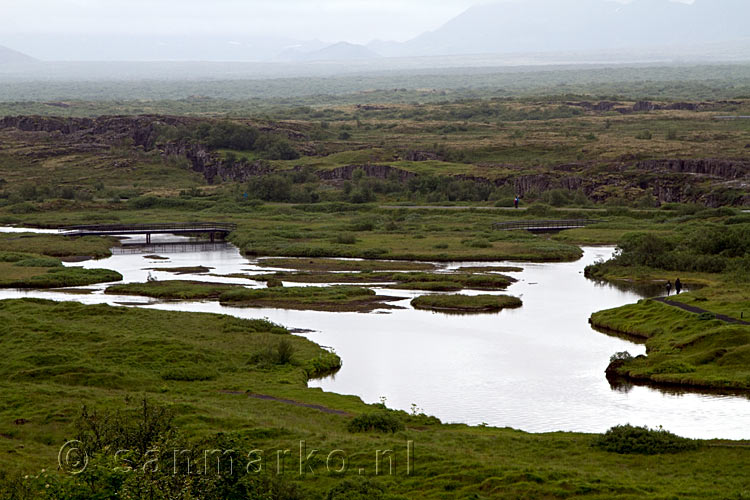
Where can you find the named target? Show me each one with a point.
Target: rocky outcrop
(725, 169)
(212, 167)
(377, 171)
(713, 182)
(141, 130)
(641, 106)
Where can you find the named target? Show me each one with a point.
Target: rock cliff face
(724, 169)
(643, 106)
(211, 166)
(377, 171)
(713, 182)
(141, 130)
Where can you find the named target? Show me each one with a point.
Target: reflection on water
(650, 288)
(538, 368)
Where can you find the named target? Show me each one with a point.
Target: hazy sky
(356, 21)
(328, 20)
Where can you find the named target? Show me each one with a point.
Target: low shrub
(280, 354)
(345, 239)
(381, 421)
(627, 439)
(621, 356)
(358, 488)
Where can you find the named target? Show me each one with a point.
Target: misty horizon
(80, 30)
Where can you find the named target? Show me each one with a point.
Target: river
(539, 368)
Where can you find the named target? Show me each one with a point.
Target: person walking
(669, 287)
(677, 286)
(515, 202)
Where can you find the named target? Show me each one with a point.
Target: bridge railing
(177, 226)
(543, 224)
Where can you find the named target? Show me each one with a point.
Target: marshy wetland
(538, 367)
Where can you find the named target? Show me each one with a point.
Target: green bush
(621, 356)
(274, 283)
(627, 439)
(381, 421)
(284, 352)
(478, 243)
(644, 135)
(281, 354)
(345, 239)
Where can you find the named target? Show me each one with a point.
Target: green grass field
(203, 368)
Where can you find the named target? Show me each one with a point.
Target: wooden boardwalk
(543, 225)
(213, 229)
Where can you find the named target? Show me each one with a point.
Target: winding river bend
(539, 368)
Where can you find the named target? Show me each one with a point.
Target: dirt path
(698, 310)
(266, 397)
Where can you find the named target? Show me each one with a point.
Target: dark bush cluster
(708, 249)
(233, 135)
(627, 439)
(280, 354)
(381, 421)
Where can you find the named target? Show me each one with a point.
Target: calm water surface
(538, 368)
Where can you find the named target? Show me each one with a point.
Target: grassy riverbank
(64, 247)
(210, 372)
(687, 347)
(683, 348)
(21, 270)
(466, 303)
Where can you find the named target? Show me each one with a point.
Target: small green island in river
(244, 278)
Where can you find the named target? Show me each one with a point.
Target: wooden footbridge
(213, 229)
(540, 226)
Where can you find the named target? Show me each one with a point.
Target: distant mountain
(534, 26)
(342, 51)
(198, 47)
(10, 56)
